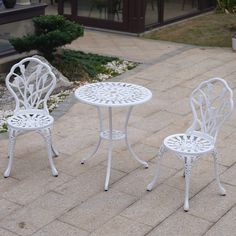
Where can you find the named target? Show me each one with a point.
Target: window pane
(67, 7)
(175, 8)
(151, 14)
(101, 9)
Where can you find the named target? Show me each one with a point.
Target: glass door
(111, 10)
(178, 8)
(152, 12)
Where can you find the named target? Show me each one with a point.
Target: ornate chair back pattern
(31, 82)
(212, 104)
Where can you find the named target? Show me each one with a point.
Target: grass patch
(214, 30)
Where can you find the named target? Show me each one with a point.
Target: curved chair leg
(187, 169)
(46, 133)
(216, 167)
(54, 151)
(11, 146)
(161, 152)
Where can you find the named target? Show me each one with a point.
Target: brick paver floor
(32, 202)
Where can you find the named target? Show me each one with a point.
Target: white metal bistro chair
(212, 104)
(30, 82)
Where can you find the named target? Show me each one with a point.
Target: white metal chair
(212, 104)
(30, 82)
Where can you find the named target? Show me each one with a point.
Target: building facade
(133, 16)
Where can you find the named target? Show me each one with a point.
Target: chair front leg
(11, 146)
(46, 134)
(187, 174)
(216, 167)
(161, 152)
(54, 151)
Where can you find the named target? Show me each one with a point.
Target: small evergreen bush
(77, 64)
(51, 32)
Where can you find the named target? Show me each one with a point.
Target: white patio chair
(30, 82)
(212, 104)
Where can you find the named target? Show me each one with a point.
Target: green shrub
(77, 64)
(51, 32)
(226, 6)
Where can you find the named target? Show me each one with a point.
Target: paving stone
(119, 226)
(171, 161)
(156, 139)
(154, 122)
(73, 143)
(222, 71)
(229, 176)
(107, 204)
(138, 80)
(180, 107)
(225, 226)
(155, 206)
(164, 84)
(4, 232)
(211, 206)
(88, 184)
(31, 188)
(28, 165)
(181, 224)
(7, 207)
(124, 161)
(56, 203)
(195, 81)
(57, 228)
(27, 220)
(7, 184)
(136, 182)
(28, 144)
(71, 164)
(202, 174)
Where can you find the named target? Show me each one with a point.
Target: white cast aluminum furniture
(30, 82)
(212, 104)
(111, 95)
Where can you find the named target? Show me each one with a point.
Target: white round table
(111, 95)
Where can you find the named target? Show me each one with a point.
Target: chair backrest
(31, 82)
(212, 104)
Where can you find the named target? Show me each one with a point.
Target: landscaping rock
(62, 81)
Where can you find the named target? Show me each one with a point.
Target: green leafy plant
(227, 6)
(51, 32)
(77, 64)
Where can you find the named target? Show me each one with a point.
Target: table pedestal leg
(99, 140)
(110, 151)
(127, 142)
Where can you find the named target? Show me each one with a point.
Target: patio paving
(32, 202)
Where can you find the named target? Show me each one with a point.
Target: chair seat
(30, 121)
(190, 144)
